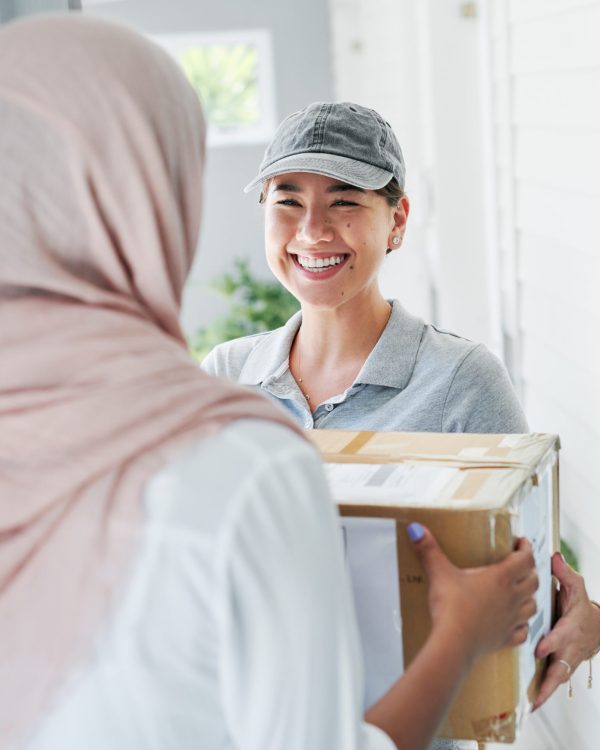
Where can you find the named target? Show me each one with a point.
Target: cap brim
(351, 171)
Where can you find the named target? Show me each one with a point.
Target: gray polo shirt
(417, 378)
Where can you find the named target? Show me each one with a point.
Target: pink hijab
(101, 152)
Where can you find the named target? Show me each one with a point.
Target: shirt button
(328, 407)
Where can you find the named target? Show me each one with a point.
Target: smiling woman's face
(325, 240)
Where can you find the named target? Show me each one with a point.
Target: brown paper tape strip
(358, 442)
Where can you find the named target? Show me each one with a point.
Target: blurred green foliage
(225, 78)
(569, 555)
(255, 306)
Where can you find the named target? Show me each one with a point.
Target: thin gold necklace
(298, 368)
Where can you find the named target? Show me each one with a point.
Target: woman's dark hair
(392, 192)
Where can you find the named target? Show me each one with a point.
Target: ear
(400, 217)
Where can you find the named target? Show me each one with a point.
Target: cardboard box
(476, 493)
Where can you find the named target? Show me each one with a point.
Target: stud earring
(396, 240)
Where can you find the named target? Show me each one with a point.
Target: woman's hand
(473, 611)
(487, 607)
(575, 636)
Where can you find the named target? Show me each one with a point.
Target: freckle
(348, 226)
(342, 294)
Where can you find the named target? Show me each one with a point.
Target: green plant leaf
(255, 306)
(569, 554)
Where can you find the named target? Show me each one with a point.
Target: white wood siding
(546, 86)
(375, 54)
(542, 63)
(417, 62)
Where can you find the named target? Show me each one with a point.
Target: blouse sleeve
(290, 664)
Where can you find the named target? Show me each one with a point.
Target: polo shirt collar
(269, 359)
(393, 358)
(390, 363)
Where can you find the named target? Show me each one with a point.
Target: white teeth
(319, 263)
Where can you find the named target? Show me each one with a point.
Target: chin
(321, 301)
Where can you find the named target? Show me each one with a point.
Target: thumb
(428, 550)
(565, 573)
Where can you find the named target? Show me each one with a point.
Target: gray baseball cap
(336, 139)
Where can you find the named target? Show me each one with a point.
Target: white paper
(392, 484)
(535, 524)
(372, 559)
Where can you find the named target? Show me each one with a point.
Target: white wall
(418, 63)
(11, 9)
(372, 41)
(546, 79)
(499, 118)
(232, 221)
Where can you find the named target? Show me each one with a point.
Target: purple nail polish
(415, 532)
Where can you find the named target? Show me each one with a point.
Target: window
(232, 73)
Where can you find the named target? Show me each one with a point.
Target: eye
(341, 202)
(288, 202)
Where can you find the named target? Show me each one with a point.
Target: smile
(319, 265)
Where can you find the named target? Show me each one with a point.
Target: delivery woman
(332, 186)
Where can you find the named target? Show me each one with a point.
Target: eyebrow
(338, 187)
(343, 187)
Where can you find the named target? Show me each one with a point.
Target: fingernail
(415, 532)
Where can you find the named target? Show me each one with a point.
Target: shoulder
(478, 395)
(455, 357)
(227, 360)
(422, 344)
(444, 347)
(481, 397)
(252, 359)
(263, 452)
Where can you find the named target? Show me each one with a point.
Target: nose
(314, 227)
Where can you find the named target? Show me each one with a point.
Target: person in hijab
(171, 574)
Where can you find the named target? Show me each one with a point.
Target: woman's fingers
(551, 642)
(565, 574)
(528, 610)
(523, 544)
(574, 637)
(566, 634)
(428, 550)
(528, 585)
(520, 563)
(518, 636)
(520, 567)
(558, 672)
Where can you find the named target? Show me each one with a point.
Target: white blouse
(237, 629)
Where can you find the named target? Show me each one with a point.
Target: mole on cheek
(342, 294)
(348, 226)
(352, 268)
